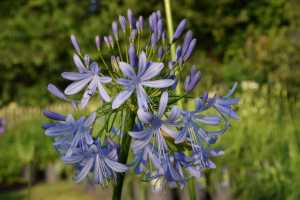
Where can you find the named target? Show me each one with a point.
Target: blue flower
(156, 125)
(83, 79)
(139, 80)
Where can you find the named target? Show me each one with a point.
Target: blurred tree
(237, 40)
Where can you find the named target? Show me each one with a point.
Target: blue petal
(142, 143)
(115, 166)
(227, 102)
(172, 133)
(182, 135)
(97, 177)
(70, 160)
(105, 79)
(144, 116)
(142, 64)
(152, 71)
(227, 111)
(90, 119)
(70, 121)
(231, 91)
(162, 104)
(158, 83)
(124, 82)
(142, 163)
(122, 97)
(213, 120)
(103, 92)
(77, 86)
(174, 114)
(85, 171)
(79, 64)
(141, 134)
(57, 131)
(74, 76)
(127, 70)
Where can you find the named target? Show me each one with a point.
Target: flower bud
(187, 82)
(113, 60)
(74, 105)
(193, 71)
(134, 23)
(133, 34)
(114, 144)
(178, 53)
(172, 74)
(122, 21)
(205, 96)
(138, 26)
(179, 30)
(154, 23)
(160, 52)
(186, 42)
(154, 41)
(194, 82)
(160, 28)
(190, 50)
(164, 37)
(98, 42)
(47, 125)
(174, 85)
(106, 41)
(115, 29)
(158, 13)
(180, 61)
(170, 64)
(131, 54)
(111, 41)
(118, 59)
(75, 43)
(141, 22)
(129, 17)
(150, 24)
(136, 62)
(54, 90)
(168, 47)
(87, 60)
(52, 115)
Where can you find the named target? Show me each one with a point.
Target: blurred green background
(256, 43)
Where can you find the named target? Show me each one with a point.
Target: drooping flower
(139, 80)
(83, 79)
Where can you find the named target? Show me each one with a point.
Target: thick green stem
(30, 180)
(124, 154)
(192, 189)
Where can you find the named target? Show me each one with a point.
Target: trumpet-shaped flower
(138, 81)
(88, 76)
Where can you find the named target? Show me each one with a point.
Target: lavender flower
(106, 41)
(194, 82)
(178, 53)
(158, 13)
(186, 42)
(111, 41)
(75, 44)
(98, 42)
(179, 30)
(87, 60)
(139, 80)
(52, 115)
(154, 23)
(190, 50)
(133, 34)
(150, 24)
(122, 20)
(91, 76)
(51, 88)
(131, 54)
(154, 41)
(115, 29)
(160, 52)
(129, 17)
(187, 81)
(160, 28)
(74, 105)
(141, 22)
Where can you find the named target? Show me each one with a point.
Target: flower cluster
(138, 99)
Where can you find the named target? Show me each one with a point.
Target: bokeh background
(255, 43)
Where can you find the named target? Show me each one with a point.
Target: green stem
(124, 154)
(126, 47)
(119, 50)
(30, 180)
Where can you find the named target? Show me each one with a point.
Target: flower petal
(158, 83)
(122, 97)
(70, 160)
(85, 171)
(74, 76)
(152, 71)
(127, 70)
(182, 135)
(142, 143)
(77, 86)
(174, 114)
(124, 81)
(213, 120)
(103, 92)
(227, 102)
(144, 116)
(105, 79)
(162, 104)
(141, 134)
(227, 111)
(79, 64)
(90, 119)
(70, 121)
(142, 64)
(172, 133)
(231, 91)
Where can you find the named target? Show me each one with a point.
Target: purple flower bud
(190, 50)
(52, 115)
(134, 23)
(180, 61)
(174, 86)
(115, 29)
(154, 41)
(150, 24)
(205, 96)
(87, 60)
(179, 30)
(129, 17)
(186, 42)
(106, 41)
(89, 131)
(194, 82)
(51, 88)
(168, 47)
(111, 41)
(113, 60)
(193, 71)
(164, 37)
(74, 105)
(172, 74)
(154, 23)
(118, 59)
(3, 122)
(134, 34)
(141, 22)
(131, 54)
(114, 144)
(187, 81)
(160, 52)
(170, 64)
(75, 43)
(130, 41)
(158, 13)
(160, 28)
(98, 42)
(122, 20)
(136, 62)
(138, 26)
(178, 53)
(47, 125)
